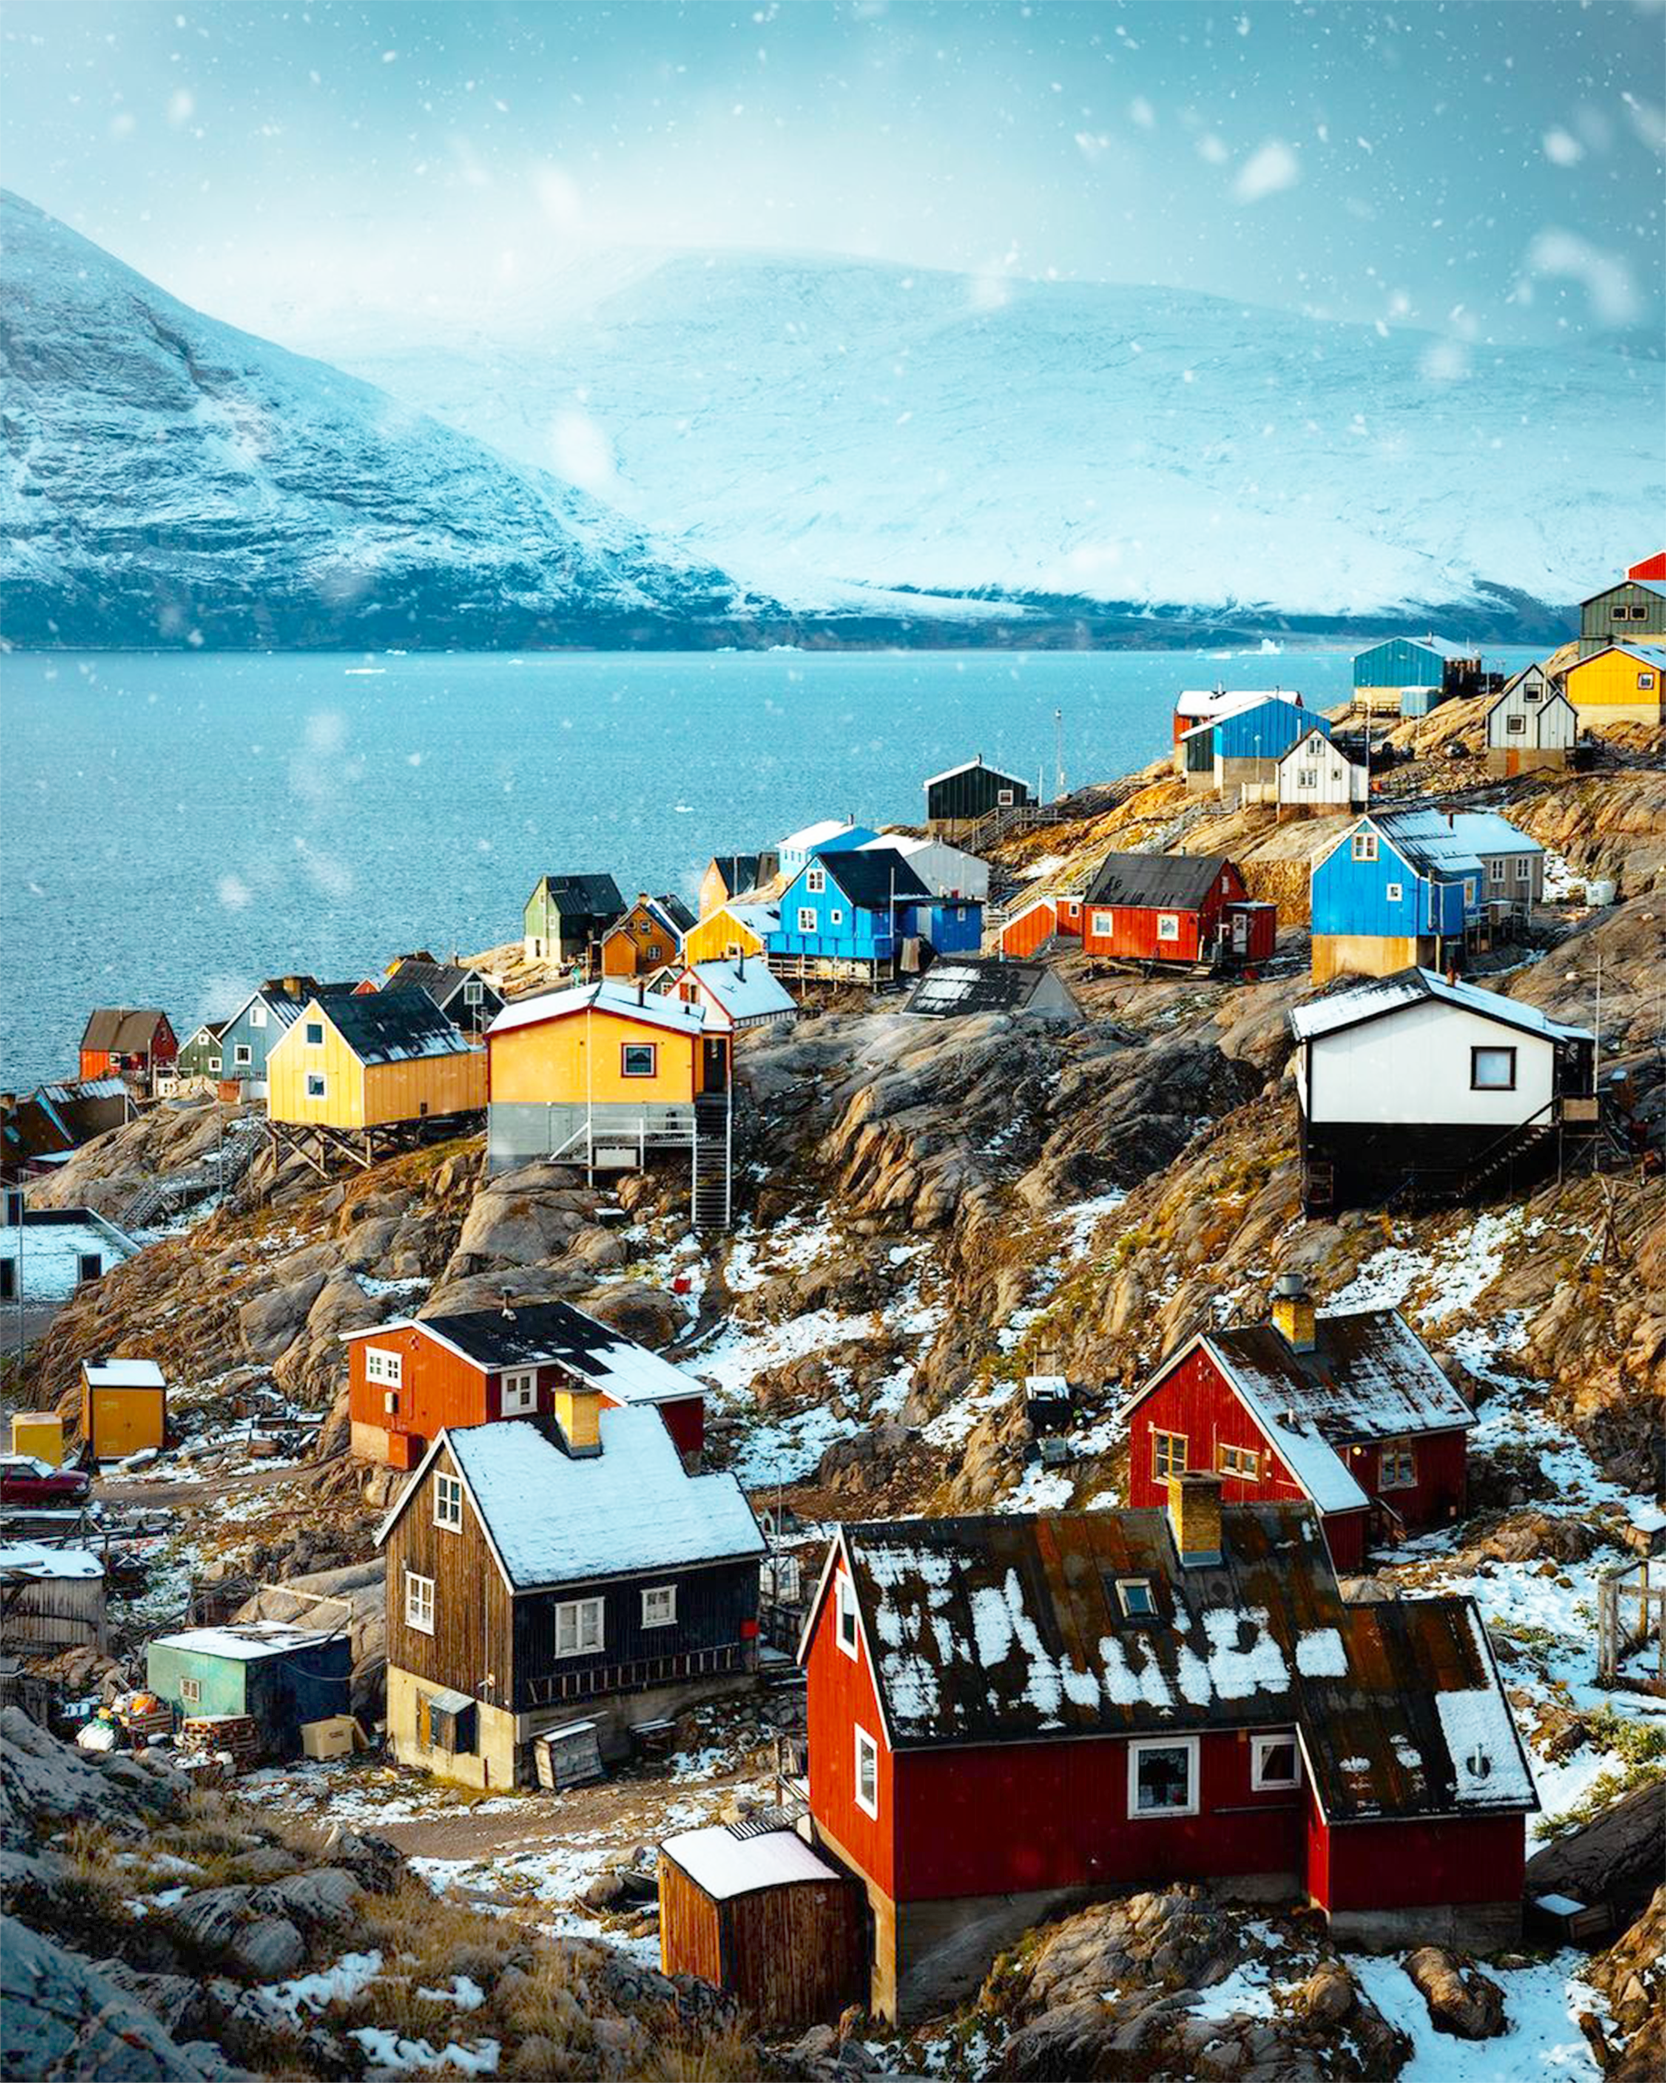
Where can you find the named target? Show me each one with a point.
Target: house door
(714, 1066)
(1240, 933)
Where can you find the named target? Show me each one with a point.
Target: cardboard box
(336, 1737)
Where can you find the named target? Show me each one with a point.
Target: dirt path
(625, 1812)
(131, 1491)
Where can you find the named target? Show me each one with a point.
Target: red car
(26, 1479)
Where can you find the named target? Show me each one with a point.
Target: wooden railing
(637, 1676)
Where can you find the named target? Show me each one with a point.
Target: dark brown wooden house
(547, 1570)
(760, 1914)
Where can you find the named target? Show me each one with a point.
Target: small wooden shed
(758, 1913)
(280, 1676)
(124, 1407)
(50, 1599)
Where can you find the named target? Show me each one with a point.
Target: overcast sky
(1492, 170)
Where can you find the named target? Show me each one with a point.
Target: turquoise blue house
(1400, 889)
(1246, 745)
(258, 1024)
(845, 915)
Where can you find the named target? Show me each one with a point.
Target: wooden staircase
(713, 1152)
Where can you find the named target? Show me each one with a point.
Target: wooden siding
(1031, 929)
(424, 1087)
(292, 1059)
(720, 933)
(1133, 930)
(1414, 1865)
(715, 1632)
(841, 1696)
(1609, 686)
(577, 1058)
(972, 793)
(639, 944)
(54, 1613)
(793, 1955)
(439, 1388)
(1600, 624)
(471, 1648)
(119, 1422)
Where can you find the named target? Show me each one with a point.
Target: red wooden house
(1349, 1412)
(123, 1040)
(1175, 907)
(412, 1379)
(1009, 1715)
(1653, 569)
(1039, 921)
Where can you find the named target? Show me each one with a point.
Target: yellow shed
(730, 931)
(39, 1432)
(646, 938)
(1619, 685)
(124, 1407)
(372, 1060)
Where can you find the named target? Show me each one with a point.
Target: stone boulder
(60, 2016)
(242, 1928)
(650, 1315)
(42, 1779)
(1462, 2000)
(521, 1218)
(1531, 1536)
(270, 1322)
(1615, 1858)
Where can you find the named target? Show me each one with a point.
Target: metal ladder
(713, 1152)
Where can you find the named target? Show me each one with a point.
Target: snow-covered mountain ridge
(814, 424)
(173, 480)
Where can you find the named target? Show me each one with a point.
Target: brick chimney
(1293, 1312)
(578, 1411)
(1195, 1517)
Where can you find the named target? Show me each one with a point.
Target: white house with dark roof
(1316, 777)
(1532, 724)
(561, 1575)
(1420, 1084)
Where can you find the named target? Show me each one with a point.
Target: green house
(201, 1057)
(280, 1676)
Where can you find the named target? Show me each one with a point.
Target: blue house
(1400, 889)
(1242, 749)
(845, 915)
(830, 835)
(1413, 675)
(259, 1023)
(948, 925)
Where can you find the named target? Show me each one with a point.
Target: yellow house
(372, 1060)
(124, 1407)
(1619, 685)
(731, 931)
(600, 1075)
(730, 876)
(648, 937)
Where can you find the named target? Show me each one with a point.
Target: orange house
(648, 936)
(600, 1075)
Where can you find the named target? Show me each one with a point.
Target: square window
(190, 1692)
(317, 1085)
(638, 1059)
(315, 1034)
(1645, 682)
(1640, 614)
(448, 1502)
(1168, 925)
(1492, 1070)
(1621, 614)
(1162, 1778)
(578, 1627)
(1133, 1595)
(659, 1606)
(1103, 923)
(846, 1627)
(1397, 1465)
(242, 1052)
(1394, 891)
(1515, 726)
(1003, 798)
(1364, 846)
(1275, 1763)
(384, 1367)
(520, 1394)
(1532, 693)
(806, 918)
(214, 1063)
(835, 918)
(419, 1602)
(867, 1773)
(815, 880)
(1168, 1454)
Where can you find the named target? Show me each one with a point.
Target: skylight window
(1133, 1596)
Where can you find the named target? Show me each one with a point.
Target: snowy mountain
(174, 480)
(816, 424)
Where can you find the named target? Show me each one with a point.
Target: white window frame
(1307, 777)
(1364, 846)
(1393, 892)
(815, 880)
(214, 1063)
(474, 992)
(1645, 683)
(1136, 1750)
(844, 1609)
(257, 1014)
(448, 1501)
(596, 1609)
(419, 1602)
(628, 1049)
(318, 1085)
(1126, 1588)
(1259, 1747)
(1102, 922)
(242, 1052)
(190, 1692)
(665, 1614)
(384, 1367)
(835, 917)
(1495, 868)
(1524, 867)
(807, 919)
(518, 1393)
(864, 1748)
(312, 1027)
(1168, 925)
(1004, 798)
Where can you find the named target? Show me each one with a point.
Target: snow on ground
(1451, 1276)
(387, 2051)
(1543, 2038)
(361, 1791)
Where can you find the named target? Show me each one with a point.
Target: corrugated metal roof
(963, 984)
(1425, 839)
(1376, 997)
(1010, 1629)
(1152, 880)
(1369, 1376)
(125, 1030)
(532, 1334)
(872, 878)
(611, 995)
(391, 1026)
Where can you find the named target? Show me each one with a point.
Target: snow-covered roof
(1010, 1628)
(1485, 832)
(1443, 647)
(651, 1008)
(1368, 1376)
(723, 1865)
(248, 1640)
(745, 993)
(1425, 839)
(758, 918)
(532, 1334)
(817, 834)
(124, 1374)
(1215, 702)
(1645, 654)
(28, 1559)
(555, 1518)
(1375, 997)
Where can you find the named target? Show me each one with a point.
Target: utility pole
(1058, 755)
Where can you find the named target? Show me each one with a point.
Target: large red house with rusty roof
(412, 1379)
(1348, 1411)
(1012, 1714)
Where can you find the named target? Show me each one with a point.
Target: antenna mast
(1058, 755)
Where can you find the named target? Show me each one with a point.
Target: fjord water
(176, 827)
